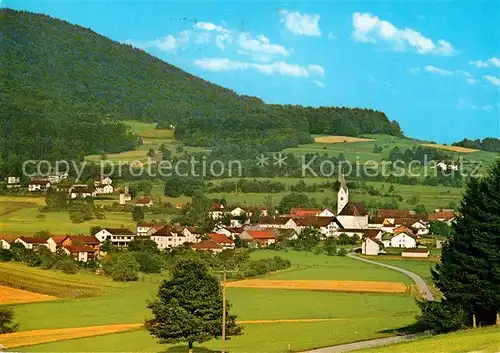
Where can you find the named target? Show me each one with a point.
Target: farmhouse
(326, 225)
(6, 241)
(217, 211)
(147, 229)
(30, 242)
(80, 191)
(207, 245)
(403, 240)
(443, 216)
(310, 212)
(353, 215)
(169, 237)
(371, 246)
(416, 252)
(144, 202)
(258, 237)
(117, 236)
(192, 234)
(81, 253)
(13, 182)
(38, 185)
(230, 232)
(278, 222)
(104, 189)
(100, 181)
(222, 240)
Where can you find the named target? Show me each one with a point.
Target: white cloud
(260, 48)
(301, 24)
(166, 44)
(487, 63)
(207, 26)
(464, 104)
(495, 81)
(319, 83)
(219, 41)
(203, 38)
(332, 36)
(370, 29)
(438, 71)
(277, 67)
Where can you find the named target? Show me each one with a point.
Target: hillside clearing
(340, 139)
(450, 148)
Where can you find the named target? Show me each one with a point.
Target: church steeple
(343, 194)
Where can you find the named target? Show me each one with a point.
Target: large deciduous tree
(469, 272)
(189, 307)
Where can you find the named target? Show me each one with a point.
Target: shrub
(5, 255)
(125, 268)
(148, 263)
(67, 265)
(342, 252)
(441, 316)
(7, 324)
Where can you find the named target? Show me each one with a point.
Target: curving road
(349, 347)
(424, 288)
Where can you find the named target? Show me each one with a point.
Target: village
(351, 223)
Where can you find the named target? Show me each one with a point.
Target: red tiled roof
(372, 233)
(220, 238)
(206, 245)
(84, 239)
(58, 239)
(403, 229)
(217, 207)
(314, 221)
(261, 234)
(9, 238)
(144, 201)
(445, 215)
(32, 240)
(274, 220)
(301, 212)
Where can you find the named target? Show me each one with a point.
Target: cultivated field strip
(16, 296)
(323, 285)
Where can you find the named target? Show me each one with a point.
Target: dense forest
(66, 83)
(490, 144)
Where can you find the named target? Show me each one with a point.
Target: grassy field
(484, 340)
(355, 316)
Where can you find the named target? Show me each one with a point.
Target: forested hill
(491, 144)
(58, 74)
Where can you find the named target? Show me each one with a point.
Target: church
(352, 215)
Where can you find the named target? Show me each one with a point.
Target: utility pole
(223, 350)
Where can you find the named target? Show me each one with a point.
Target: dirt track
(10, 295)
(28, 338)
(341, 286)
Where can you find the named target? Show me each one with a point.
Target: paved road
(361, 345)
(424, 288)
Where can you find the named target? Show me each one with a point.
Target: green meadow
(356, 316)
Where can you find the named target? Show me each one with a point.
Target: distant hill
(71, 88)
(490, 144)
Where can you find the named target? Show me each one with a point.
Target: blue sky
(433, 67)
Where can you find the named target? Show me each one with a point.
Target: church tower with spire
(343, 194)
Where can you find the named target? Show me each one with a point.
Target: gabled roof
(119, 231)
(375, 240)
(206, 245)
(32, 240)
(376, 220)
(261, 234)
(372, 233)
(217, 207)
(220, 238)
(84, 240)
(274, 220)
(167, 231)
(58, 239)
(9, 238)
(143, 201)
(353, 209)
(304, 212)
(194, 230)
(447, 215)
(38, 182)
(404, 229)
(316, 221)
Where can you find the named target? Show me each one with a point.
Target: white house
(328, 226)
(55, 178)
(403, 240)
(192, 234)
(217, 211)
(125, 198)
(30, 242)
(100, 181)
(6, 241)
(168, 237)
(38, 185)
(144, 202)
(371, 246)
(258, 237)
(420, 227)
(117, 236)
(147, 229)
(81, 191)
(104, 189)
(13, 182)
(279, 222)
(447, 166)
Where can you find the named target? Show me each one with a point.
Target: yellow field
(341, 286)
(15, 296)
(339, 139)
(450, 148)
(39, 200)
(29, 338)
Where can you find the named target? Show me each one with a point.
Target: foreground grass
(485, 340)
(257, 338)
